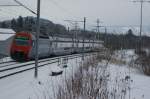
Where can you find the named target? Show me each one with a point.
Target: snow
(6, 59)
(24, 86)
(6, 30)
(124, 81)
(4, 37)
(138, 83)
(137, 86)
(6, 33)
(140, 88)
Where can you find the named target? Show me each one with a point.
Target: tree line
(114, 41)
(29, 24)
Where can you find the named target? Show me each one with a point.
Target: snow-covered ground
(6, 33)
(124, 81)
(24, 86)
(127, 82)
(6, 59)
(130, 83)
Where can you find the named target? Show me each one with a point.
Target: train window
(22, 42)
(33, 43)
(66, 48)
(21, 38)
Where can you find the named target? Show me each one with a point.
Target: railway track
(11, 63)
(7, 62)
(17, 68)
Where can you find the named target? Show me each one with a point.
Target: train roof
(43, 35)
(6, 33)
(59, 37)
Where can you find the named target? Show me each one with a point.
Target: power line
(63, 9)
(37, 30)
(75, 23)
(8, 5)
(75, 36)
(18, 5)
(21, 4)
(98, 26)
(13, 12)
(6, 14)
(141, 19)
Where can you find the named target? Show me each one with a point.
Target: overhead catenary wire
(68, 12)
(4, 16)
(21, 4)
(37, 30)
(8, 5)
(11, 9)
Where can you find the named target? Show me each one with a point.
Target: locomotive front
(21, 46)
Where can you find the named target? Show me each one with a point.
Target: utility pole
(76, 30)
(37, 29)
(75, 24)
(141, 20)
(105, 38)
(84, 37)
(98, 26)
(84, 29)
(75, 36)
(68, 29)
(37, 39)
(37, 32)
(98, 29)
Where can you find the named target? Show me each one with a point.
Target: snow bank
(6, 33)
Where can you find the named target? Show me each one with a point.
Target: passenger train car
(23, 46)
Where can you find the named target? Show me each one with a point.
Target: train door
(72, 45)
(50, 45)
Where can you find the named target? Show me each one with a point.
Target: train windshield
(22, 41)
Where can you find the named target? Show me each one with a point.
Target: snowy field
(127, 82)
(24, 86)
(124, 81)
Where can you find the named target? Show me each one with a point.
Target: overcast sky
(111, 12)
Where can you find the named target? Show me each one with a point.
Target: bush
(89, 82)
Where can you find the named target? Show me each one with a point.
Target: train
(23, 46)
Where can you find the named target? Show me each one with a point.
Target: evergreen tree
(20, 23)
(13, 24)
(3, 25)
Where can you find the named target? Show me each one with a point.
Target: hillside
(29, 24)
